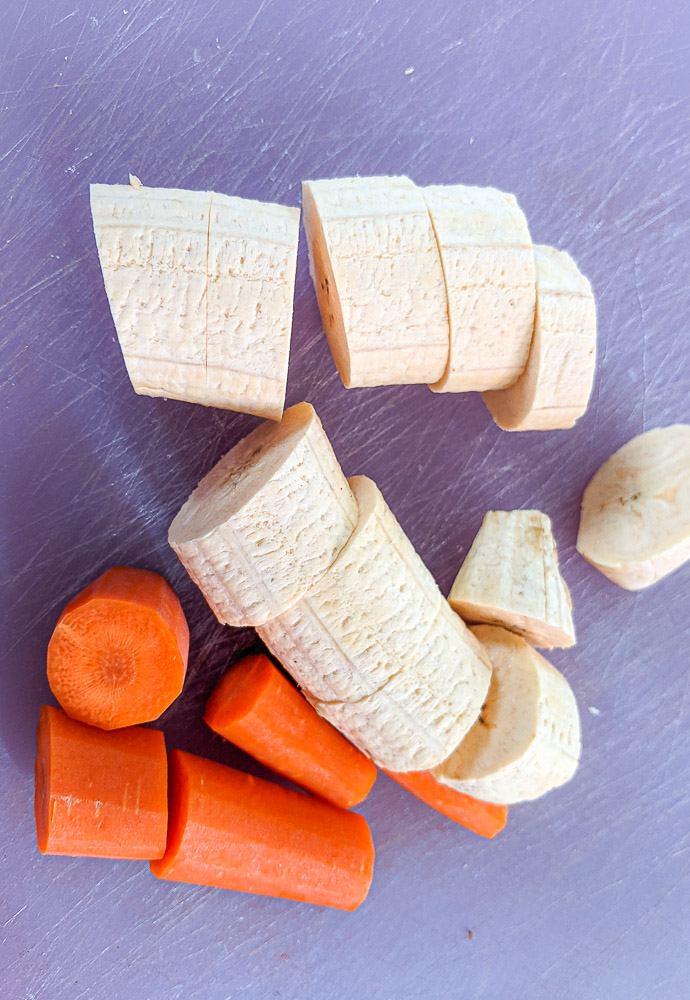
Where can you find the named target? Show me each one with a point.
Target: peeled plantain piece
(635, 519)
(553, 391)
(200, 287)
(488, 265)
(378, 279)
(377, 649)
(510, 577)
(267, 521)
(527, 738)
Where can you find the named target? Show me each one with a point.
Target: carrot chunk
(234, 831)
(258, 709)
(97, 794)
(483, 818)
(118, 654)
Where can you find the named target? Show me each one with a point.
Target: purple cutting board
(583, 111)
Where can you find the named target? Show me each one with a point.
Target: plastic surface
(582, 111)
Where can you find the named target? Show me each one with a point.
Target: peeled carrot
(235, 831)
(101, 795)
(483, 818)
(118, 654)
(258, 709)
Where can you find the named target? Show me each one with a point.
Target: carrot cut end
(238, 691)
(118, 654)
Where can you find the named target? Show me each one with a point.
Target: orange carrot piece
(100, 795)
(258, 709)
(483, 818)
(119, 651)
(234, 831)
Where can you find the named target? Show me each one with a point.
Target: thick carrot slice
(483, 818)
(258, 709)
(235, 831)
(118, 654)
(101, 795)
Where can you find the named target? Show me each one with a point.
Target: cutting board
(582, 111)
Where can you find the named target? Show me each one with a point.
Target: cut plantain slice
(378, 650)
(527, 738)
(200, 287)
(553, 391)
(635, 520)
(486, 252)
(267, 521)
(378, 279)
(510, 577)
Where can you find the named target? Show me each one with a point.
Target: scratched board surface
(583, 111)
